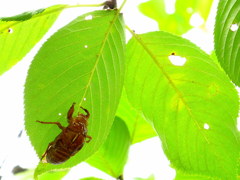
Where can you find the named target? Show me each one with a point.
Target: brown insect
(70, 140)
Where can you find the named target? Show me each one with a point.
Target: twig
(120, 177)
(111, 4)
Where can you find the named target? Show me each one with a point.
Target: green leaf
(138, 126)
(28, 175)
(84, 63)
(112, 156)
(190, 101)
(183, 176)
(179, 21)
(18, 34)
(91, 178)
(227, 38)
(53, 175)
(24, 16)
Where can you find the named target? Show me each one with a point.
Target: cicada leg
(57, 123)
(70, 113)
(89, 138)
(88, 114)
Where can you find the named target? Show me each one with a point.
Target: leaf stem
(130, 30)
(122, 5)
(86, 5)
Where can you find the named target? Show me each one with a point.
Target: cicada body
(70, 140)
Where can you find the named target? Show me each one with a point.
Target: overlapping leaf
(191, 102)
(55, 175)
(28, 175)
(179, 21)
(18, 34)
(227, 38)
(112, 156)
(84, 63)
(138, 126)
(91, 178)
(185, 176)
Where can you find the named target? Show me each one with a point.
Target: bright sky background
(144, 159)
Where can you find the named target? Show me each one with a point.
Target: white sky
(144, 159)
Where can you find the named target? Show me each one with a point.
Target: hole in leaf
(177, 60)
(206, 126)
(84, 99)
(85, 46)
(196, 20)
(59, 114)
(89, 17)
(10, 30)
(234, 27)
(189, 10)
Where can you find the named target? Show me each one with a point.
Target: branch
(111, 4)
(120, 177)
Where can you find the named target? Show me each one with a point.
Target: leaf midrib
(140, 41)
(99, 55)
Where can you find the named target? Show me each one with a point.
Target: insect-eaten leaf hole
(59, 114)
(177, 60)
(89, 17)
(10, 30)
(85, 46)
(206, 126)
(189, 10)
(234, 27)
(84, 99)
